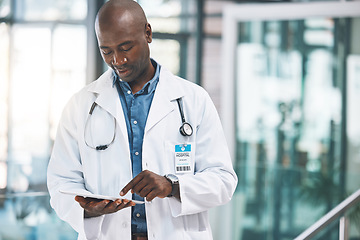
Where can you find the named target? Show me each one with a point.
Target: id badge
(183, 158)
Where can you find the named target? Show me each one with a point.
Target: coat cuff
(176, 206)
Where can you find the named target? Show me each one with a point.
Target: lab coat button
(125, 224)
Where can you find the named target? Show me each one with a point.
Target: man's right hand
(96, 207)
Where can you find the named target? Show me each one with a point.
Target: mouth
(121, 71)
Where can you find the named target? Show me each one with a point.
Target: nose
(118, 59)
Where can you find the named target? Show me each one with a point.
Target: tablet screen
(97, 196)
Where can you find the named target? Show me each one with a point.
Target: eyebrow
(120, 45)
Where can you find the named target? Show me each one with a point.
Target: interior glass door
(295, 91)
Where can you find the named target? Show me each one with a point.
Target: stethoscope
(185, 128)
(99, 147)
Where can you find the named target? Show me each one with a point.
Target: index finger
(131, 184)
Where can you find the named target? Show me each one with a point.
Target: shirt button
(138, 215)
(135, 122)
(128, 92)
(136, 153)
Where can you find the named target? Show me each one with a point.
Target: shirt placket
(136, 153)
(136, 138)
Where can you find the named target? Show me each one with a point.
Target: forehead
(114, 38)
(117, 29)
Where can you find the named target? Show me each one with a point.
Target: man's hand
(96, 207)
(148, 185)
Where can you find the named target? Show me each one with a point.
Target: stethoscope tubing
(185, 128)
(99, 147)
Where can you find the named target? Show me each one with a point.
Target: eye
(106, 52)
(126, 49)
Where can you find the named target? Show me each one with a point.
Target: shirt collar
(148, 87)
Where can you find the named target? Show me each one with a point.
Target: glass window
(50, 10)
(42, 82)
(289, 121)
(29, 104)
(353, 115)
(162, 8)
(30, 84)
(291, 74)
(29, 216)
(42, 63)
(4, 76)
(167, 53)
(3, 176)
(171, 25)
(172, 16)
(174, 24)
(69, 68)
(4, 8)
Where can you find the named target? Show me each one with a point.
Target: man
(129, 144)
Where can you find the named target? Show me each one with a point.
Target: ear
(148, 32)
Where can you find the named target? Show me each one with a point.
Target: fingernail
(121, 193)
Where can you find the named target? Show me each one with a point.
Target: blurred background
(284, 76)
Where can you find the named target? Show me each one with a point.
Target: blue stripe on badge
(183, 148)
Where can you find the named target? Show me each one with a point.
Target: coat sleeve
(65, 173)
(214, 180)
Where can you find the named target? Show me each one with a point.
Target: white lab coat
(75, 166)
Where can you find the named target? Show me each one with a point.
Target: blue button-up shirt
(136, 109)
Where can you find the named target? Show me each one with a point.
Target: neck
(147, 76)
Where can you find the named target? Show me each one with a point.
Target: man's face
(124, 47)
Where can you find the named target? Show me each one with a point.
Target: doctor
(138, 133)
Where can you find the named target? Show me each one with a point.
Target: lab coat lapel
(108, 99)
(166, 92)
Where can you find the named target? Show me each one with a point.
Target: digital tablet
(97, 196)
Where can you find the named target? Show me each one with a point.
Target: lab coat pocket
(196, 227)
(180, 157)
(203, 235)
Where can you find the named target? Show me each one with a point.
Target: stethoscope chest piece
(186, 129)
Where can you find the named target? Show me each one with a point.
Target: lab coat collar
(108, 99)
(167, 82)
(167, 90)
